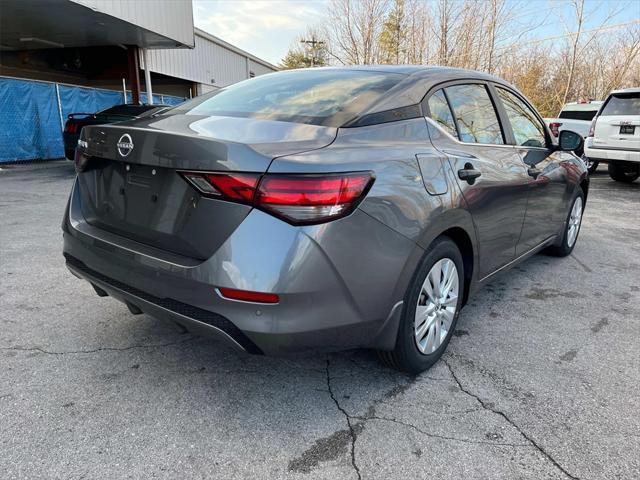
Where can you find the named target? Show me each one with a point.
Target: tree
(353, 30)
(308, 50)
(392, 38)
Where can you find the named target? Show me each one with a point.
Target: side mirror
(569, 141)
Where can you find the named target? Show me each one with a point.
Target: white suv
(614, 136)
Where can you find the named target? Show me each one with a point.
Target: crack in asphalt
(352, 428)
(441, 437)
(500, 413)
(95, 350)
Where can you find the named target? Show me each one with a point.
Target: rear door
(618, 125)
(490, 173)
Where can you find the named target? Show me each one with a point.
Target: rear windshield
(578, 114)
(622, 104)
(314, 96)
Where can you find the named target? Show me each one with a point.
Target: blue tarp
(30, 127)
(86, 100)
(29, 121)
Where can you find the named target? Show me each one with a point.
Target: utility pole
(313, 45)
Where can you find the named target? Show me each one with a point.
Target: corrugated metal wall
(209, 63)
(170, 18)
(258, 68)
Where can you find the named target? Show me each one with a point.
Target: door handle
(469, 174)
(534, 172)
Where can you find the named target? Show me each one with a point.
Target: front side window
(314, 96)
(475, 115)
(527, 130)
(441, 113)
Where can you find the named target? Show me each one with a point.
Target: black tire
(626, 172)
(69, 153)
(564, 248)
(592, 165)
(406, 356)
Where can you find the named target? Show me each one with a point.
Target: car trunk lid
(132, 186)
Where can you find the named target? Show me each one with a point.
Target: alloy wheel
(575, 218)
(437, 304)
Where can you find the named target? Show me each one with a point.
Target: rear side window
(578, 114)
(622, 104)
(441, 113)
(314, 96)
(527, 130)
(475, 115)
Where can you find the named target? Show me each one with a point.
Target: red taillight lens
(555, 128)
(301, 199)
(246, 296)
(240, 187)
(592, 128)
(71, 127)
(297, 198)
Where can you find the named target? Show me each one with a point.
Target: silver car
(323, 209)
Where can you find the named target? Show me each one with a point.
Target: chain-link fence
(33, 113)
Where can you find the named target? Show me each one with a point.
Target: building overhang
(36, 24)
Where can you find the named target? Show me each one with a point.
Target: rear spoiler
(71, 116)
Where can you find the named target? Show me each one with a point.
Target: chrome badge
(125, 145)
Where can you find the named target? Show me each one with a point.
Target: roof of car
(582, 107)
(421, 70)
(626, 90)
(419, 80)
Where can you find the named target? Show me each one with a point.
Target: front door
(548, 192)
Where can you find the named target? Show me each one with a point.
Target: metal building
(213, 63)
(100, 42)
(133, 47)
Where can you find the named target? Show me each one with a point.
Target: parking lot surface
(542, 379)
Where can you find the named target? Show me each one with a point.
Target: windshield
(314, 96)
(622, 104)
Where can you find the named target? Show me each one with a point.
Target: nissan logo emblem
(125, 145)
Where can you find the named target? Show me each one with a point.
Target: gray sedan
(323, 209)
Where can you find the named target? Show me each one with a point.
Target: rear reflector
(246, 296)
(300, 199)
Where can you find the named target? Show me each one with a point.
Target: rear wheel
(624, 171)
(431, 309)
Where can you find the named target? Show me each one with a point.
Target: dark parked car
(117, 113)
(325, 208)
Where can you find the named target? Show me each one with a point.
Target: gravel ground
(541, 380)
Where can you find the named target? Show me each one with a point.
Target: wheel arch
(463, 241)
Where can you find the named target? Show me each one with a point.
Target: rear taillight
(71, 127)
(299, 199)
(592, 128)
(555, 128)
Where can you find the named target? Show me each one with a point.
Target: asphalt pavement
(541, 381)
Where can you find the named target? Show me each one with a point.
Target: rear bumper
(193, 319)
(337, 282)
(604, 154)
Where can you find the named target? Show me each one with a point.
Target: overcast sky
(266, 28)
